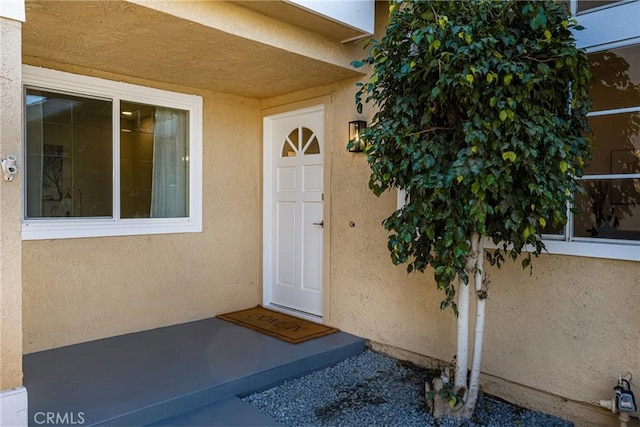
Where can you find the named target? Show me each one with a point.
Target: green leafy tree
(480, 117)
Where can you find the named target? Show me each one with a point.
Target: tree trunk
(462, 352)
(481, 300)
(474, 268)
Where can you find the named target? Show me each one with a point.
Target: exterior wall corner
(10, 206)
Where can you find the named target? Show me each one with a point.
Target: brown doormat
(277, 325)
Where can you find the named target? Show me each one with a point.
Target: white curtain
(169, 192)
(35, 158)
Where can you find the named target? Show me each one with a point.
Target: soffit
(300, 17)
(133, 40)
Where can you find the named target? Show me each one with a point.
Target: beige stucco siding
(78, 290)
(566, 327)
(369, 295)
(10, 202)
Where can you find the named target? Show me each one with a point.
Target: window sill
(72, 229)
(591, 248)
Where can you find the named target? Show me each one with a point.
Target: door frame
(267, 214)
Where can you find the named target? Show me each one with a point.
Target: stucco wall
(10, 202)
(369, 296)
(79, 290)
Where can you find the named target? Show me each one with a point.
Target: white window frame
(61, 228)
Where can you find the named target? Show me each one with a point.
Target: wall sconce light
(355, 135)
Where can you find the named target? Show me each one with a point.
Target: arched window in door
(300, 140)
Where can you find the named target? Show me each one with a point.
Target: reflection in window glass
(613, 135)
(551, 232)
(609, 206)
(310, 141)
(616, 78)
(287, 149)
(68, 155)
(154, 167)
(609, 209)
(294, 140)
(313, 147)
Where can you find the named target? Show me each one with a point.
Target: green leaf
(563, 166)
(542, 221)
(489, 77)
(507, 79)
(547, 34)
(503, 115)
(544, 69)
(509, 155)
(469, 78)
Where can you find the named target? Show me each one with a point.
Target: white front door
(293, 211)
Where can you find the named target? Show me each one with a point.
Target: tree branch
(432, 129)
(540, 60)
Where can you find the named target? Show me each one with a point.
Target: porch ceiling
(138, 41)
(294, 15)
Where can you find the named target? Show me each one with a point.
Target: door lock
(321, 223)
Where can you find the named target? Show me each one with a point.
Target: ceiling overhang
(301, 14)
(201, 44)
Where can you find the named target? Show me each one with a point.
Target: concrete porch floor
(187, 374)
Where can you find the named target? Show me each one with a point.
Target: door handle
(321, 223)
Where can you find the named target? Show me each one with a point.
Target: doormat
(277, 325)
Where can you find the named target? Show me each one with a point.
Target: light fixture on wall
(356, 143)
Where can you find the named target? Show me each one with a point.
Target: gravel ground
(375, 390)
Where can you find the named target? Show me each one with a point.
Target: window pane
(310, 142)
(154, 162)
(313, 147)
(287, 149)
(69, 156)
(616, 137)
(590, 4)
(616, 78)
(610, 209)
(553, 232)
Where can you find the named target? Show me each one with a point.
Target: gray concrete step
(229, 412)
(142, 378)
